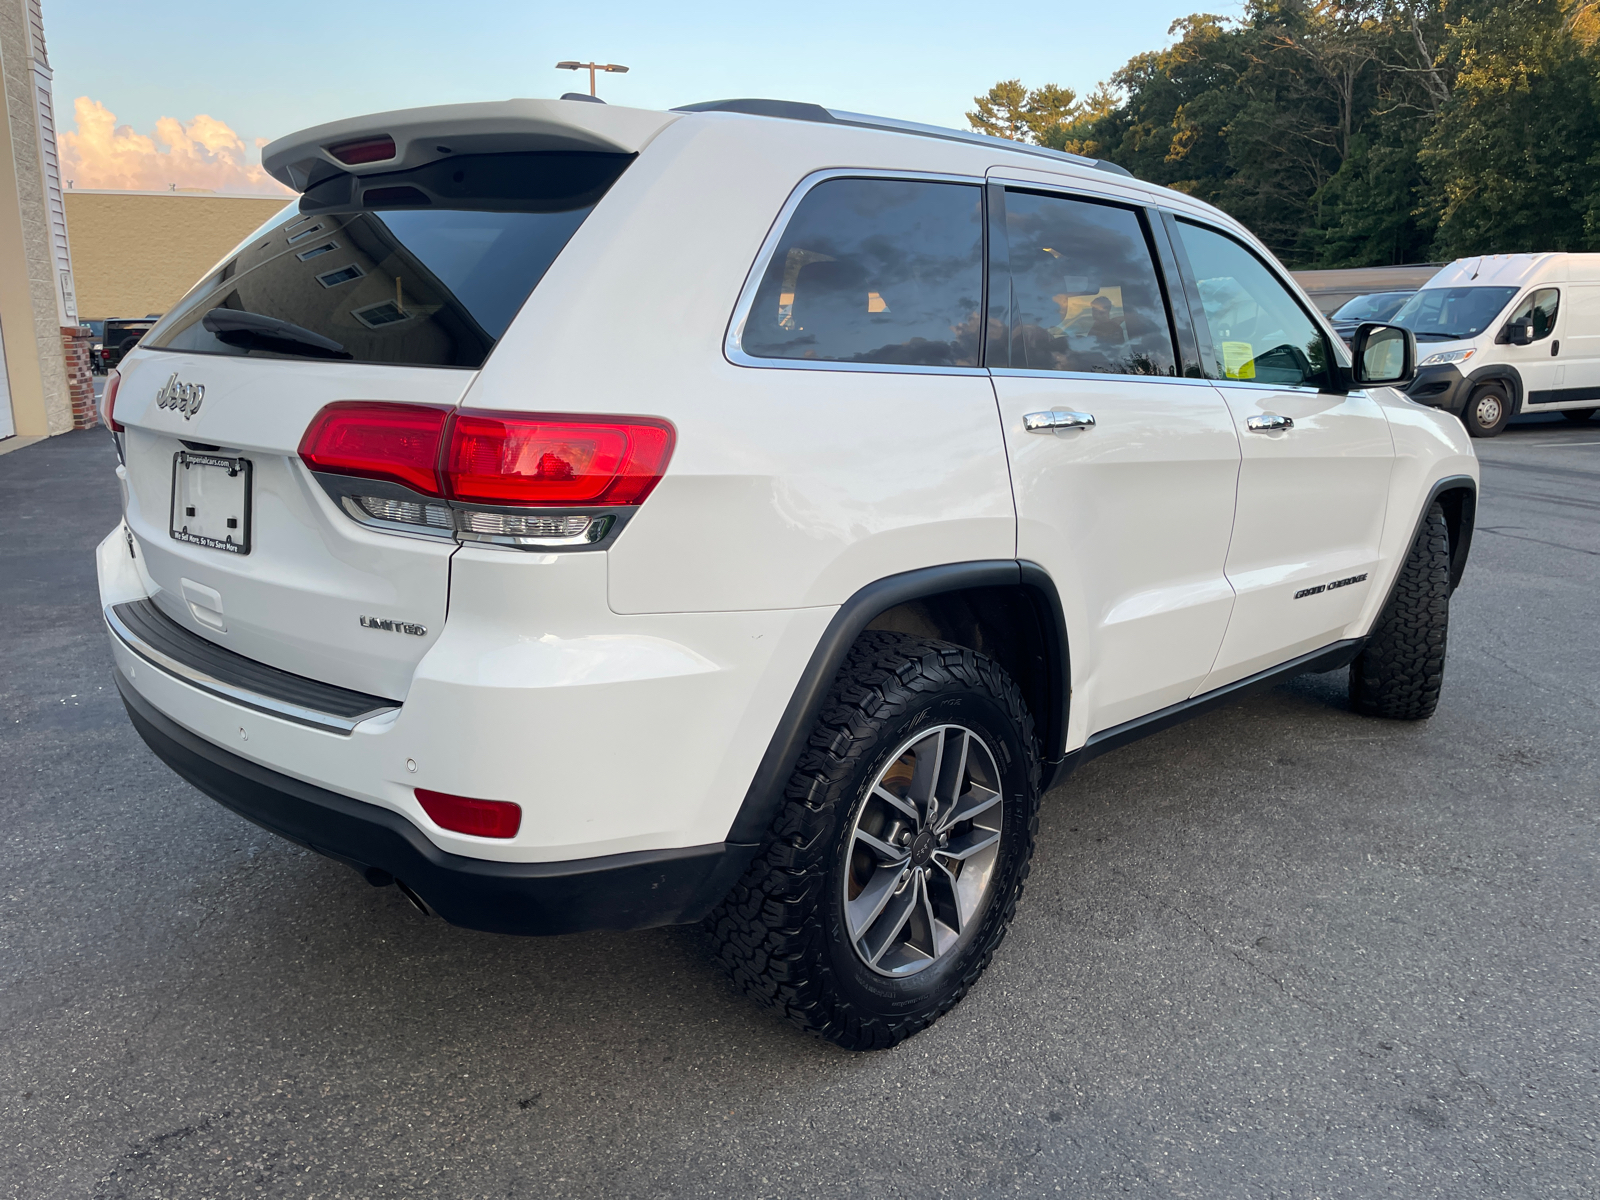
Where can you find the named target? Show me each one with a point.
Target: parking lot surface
(1280, 951)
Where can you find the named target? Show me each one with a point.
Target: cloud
(205, 153)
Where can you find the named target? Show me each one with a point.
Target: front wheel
(1400, 671)
(895, 864)
(1488, 410)
(1577, 415)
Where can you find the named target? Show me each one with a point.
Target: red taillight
(108, 401)
(462, 814)
(541, 460)
(374, 149)
(374, 440)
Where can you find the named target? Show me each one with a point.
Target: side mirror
(1385, 355)
(1517, 333)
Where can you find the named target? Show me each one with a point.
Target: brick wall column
(75, 344)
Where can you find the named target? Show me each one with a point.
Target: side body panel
(1140, 572)
(1429, 446)
(1312, 501)
(1577, 380)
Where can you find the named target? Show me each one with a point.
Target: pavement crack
(1283, 987)
(1522, 537)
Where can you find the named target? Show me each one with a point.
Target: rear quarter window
(874, 271)
(424, 267)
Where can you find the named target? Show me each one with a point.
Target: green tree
(1010, 110)
(1357, 132)
(1513, 161)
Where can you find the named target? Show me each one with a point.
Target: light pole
(592, 68)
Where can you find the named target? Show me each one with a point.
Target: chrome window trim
(1096, 376)
(1297, 388)
(734, 352)
(1144, 210)
(1119, 190)
(238, 695)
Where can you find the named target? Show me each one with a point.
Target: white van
(1504, 334)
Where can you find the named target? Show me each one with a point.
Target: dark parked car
(1374, 306)
(121, 335)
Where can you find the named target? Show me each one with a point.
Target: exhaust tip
(422, 905)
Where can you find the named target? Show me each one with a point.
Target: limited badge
(394, 626)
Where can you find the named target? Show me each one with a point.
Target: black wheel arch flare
(1501, 373)
(1047, 682)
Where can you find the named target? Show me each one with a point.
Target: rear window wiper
(257, 331)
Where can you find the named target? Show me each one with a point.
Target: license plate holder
(211, 501)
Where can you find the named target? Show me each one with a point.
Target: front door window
(1259, 334)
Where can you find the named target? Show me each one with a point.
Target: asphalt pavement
(1280, 951)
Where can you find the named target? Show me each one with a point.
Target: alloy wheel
(922, 851)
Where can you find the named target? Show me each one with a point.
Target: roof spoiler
(413, 137)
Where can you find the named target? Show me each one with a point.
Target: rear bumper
(618, 891)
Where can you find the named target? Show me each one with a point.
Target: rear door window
(1084, 291)
(424, 267)
(874, 271)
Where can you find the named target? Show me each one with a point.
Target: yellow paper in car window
(1238, 360)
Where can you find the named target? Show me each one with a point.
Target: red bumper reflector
(462, 814)
(108, 402)
(544, 460)
(374, 149)
(374, 440)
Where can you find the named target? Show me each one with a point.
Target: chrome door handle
(1268, 422)
(1048, 422)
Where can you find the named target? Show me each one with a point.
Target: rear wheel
(1488, 410)
(1401, 670)
(1577, 415)
(896, 862)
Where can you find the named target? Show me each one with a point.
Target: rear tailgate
(390, 281)
(296, 600)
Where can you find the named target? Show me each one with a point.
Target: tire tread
(768, 930)
(1400, 672)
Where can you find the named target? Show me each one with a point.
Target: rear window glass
(424, 267)
(874, 271)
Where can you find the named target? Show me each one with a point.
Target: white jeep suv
(584, 517)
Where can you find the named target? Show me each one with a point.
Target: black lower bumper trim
(1440, 387)
(619, 891)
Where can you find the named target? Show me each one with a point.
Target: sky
(189, 89)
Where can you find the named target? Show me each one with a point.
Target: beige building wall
(136, 253)
(35, 276)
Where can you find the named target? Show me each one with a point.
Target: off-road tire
(1400, 671)
(781, 933)
(1490, 396)
(1577, 415)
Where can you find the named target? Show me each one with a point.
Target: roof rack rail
(794, 110)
